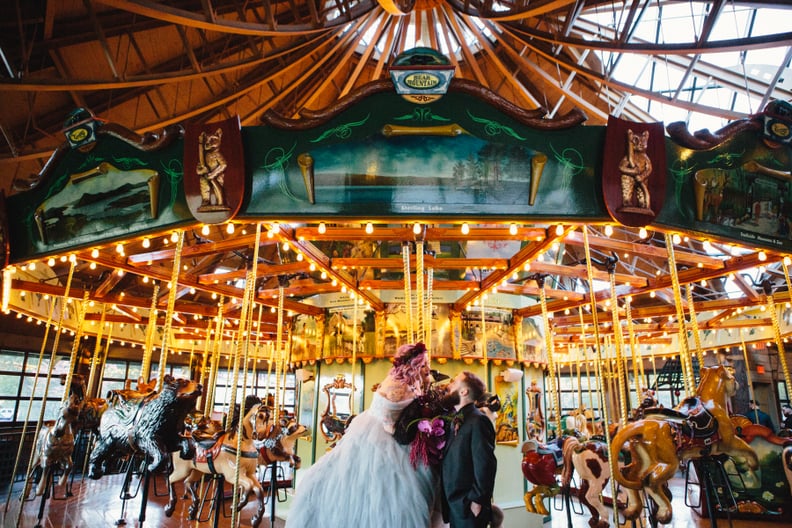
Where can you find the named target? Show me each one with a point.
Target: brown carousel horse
(697, 427)
(217, 455)
(55, 445)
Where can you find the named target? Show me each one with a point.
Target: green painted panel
(113, 192)
(740, 190)
(360, 171)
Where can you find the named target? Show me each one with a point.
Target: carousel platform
(98, 504)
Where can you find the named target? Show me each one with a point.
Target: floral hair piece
(407, 353)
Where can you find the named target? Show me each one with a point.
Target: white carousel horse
(55, 445)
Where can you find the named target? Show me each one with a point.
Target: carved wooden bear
(150, 426)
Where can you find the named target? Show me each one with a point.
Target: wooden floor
(98, 504)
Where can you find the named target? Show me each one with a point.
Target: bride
(367, 479)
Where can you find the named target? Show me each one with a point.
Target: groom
(469, 464)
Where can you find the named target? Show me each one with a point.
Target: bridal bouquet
(422, 426)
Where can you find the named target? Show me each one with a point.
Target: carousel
(623, 289)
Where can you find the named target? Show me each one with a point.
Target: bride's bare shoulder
(394, 390)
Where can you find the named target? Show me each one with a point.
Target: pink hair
(408, 362)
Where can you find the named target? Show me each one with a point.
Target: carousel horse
(280, 443)
(150, 425)
(55, 444)
(664, 438)
(589, 458)
(216, 454)
(543, 463)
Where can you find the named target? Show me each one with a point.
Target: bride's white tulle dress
(366, 481)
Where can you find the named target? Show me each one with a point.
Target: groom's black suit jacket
(469, 466)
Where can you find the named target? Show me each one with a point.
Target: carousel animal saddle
(207, 451)
(695, 424)
(541, 463)
(552, 450)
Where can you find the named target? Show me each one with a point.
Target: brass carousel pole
(428, 315)
(53, 357)
(174, 286)
(419, 289)
(354, 352)
(218, 339)
(748, 376)
(243, 348)
(605, 414)
(148, 347)
(278, 355)
(684, 350)
(203, 374)
(781, 351)
(777, 331)
(588, 367)
(30, 402)
(407, 292)
(483, 329)
(637, 363)
(96, 355)
(540, 280)
(694, 325)
(621, 380)
(75, 348)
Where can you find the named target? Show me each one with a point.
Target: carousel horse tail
(569, 446)
(625, 435)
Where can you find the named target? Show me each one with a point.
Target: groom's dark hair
(475, 385)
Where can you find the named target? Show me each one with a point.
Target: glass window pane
(11, 361)
(9, 384)
(134, 371)
(115, 370)
(32, 364)
(55, 389)
(180, 371)
(107, 386)
(7, 410)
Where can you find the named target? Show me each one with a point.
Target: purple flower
(425, 426)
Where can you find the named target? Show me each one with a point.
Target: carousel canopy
(151, 65)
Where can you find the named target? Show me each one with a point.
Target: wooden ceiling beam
(644, 249)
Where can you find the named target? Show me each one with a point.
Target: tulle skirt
(366, 481)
